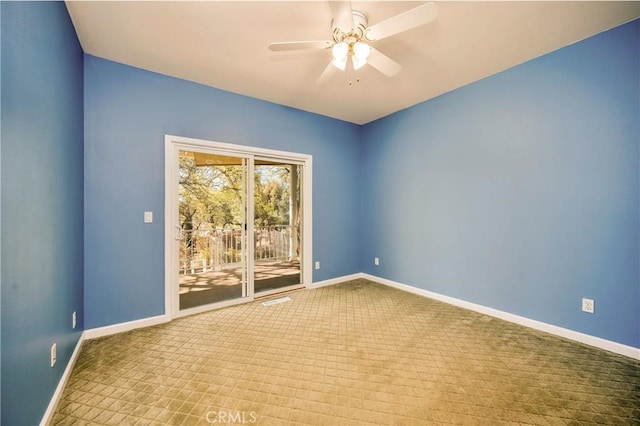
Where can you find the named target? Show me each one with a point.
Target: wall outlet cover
(588, 305)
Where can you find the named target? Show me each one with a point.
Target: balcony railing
(206, 250)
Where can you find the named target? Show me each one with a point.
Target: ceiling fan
(352, 38)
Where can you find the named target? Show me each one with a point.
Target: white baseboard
(48, 415)
(597, 342)
(108, 330)
(337, 280)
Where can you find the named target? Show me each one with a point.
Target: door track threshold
(276, 301)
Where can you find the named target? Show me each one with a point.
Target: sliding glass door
(277, 226)
(235, 224)
(212, 210)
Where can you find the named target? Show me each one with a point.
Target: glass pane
(277, 218)
(212, 213)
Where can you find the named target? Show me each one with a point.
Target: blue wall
(42, 202)
(519, 192)
(128, 111)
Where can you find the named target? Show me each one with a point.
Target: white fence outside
(206, 250)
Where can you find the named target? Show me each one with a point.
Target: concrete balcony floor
(215, 286)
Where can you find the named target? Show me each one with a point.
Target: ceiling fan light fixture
(340, 51)
(361, 50)
(358, 62)
(341, 63)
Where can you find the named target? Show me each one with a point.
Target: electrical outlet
(588, 305)
(73, 320)
(53, 355)
(376, 261)
(317, 264)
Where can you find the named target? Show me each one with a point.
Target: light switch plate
(148, 217)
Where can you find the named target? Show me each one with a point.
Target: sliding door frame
(173, 144)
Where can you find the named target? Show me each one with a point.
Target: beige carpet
(353, 353)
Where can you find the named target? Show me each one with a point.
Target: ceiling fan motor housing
(359, 20)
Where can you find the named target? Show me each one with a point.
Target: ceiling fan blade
(342, 14)
(328, 72)
(403, 22)
(299, 45)
(383, 63)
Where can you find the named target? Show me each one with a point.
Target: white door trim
(174, 143)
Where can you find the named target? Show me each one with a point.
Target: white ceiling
(224, 45)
